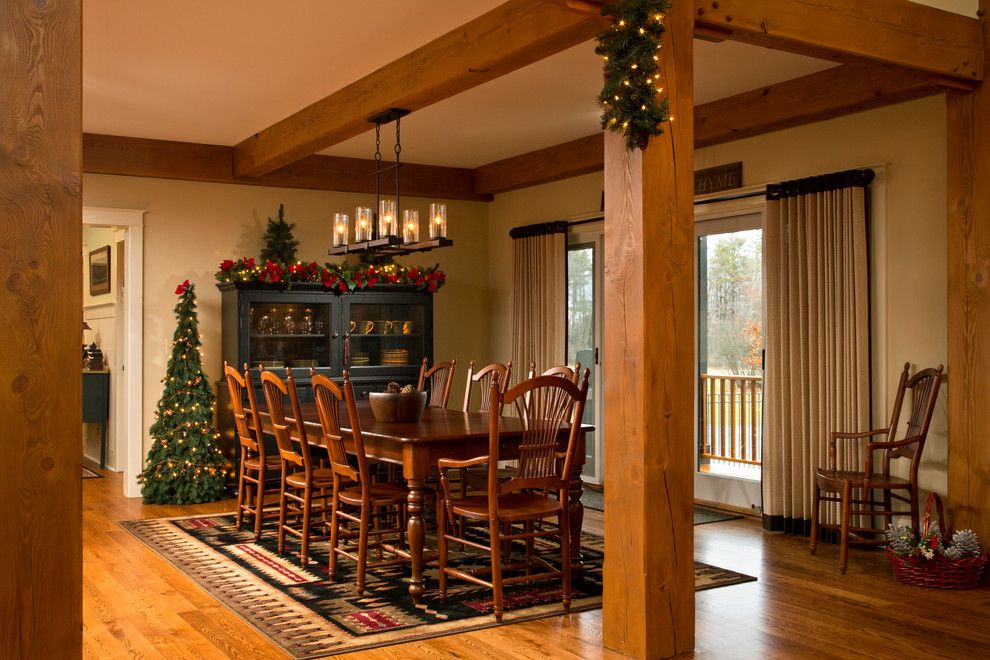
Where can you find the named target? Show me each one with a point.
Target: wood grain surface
(41, 316)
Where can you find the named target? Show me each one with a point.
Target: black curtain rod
(725, 198)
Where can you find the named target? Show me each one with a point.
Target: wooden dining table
(417, 446)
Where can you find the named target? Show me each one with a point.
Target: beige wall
(190, 227)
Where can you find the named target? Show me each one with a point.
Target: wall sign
(716, 179)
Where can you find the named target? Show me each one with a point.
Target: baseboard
(729, 508)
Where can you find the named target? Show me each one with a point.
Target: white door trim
(133, 222)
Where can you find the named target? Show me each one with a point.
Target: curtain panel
(539, 296)
(817, 336)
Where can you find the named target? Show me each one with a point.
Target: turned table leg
(415, 532)
(575, 508)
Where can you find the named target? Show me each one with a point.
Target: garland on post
(630, 50)
(334, 277)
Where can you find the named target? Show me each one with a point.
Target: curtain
(817, 336)
(539, 296)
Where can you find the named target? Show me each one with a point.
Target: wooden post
(968, 371)
(648, 609)
(41, 317)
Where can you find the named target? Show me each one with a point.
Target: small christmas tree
(280, 244)
(184, 464)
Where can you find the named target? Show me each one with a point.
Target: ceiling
(215, 72)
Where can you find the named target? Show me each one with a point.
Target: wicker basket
(939, 572)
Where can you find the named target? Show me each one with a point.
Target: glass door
(584, 334)
(386, 336)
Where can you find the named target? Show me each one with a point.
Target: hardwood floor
(136, 605)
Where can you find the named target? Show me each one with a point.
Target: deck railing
(731, 418)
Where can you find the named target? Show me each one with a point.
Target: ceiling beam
(162, 159)
(891, 31)
(511, 36)
(831, 93)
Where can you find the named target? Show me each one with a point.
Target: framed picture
(99, 271)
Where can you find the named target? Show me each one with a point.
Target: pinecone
(901, 539)
(966, 543)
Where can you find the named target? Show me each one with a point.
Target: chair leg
(240, 494)
(362, 547)
(442, 547)
(888, 504)
(334, 522)
(495, 540)
(259, 505)
(281, 516)
(564, 523)
(844, 533)
(307, 514)
(915, 525)
(815, 503)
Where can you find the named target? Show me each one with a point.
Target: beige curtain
(817, 335)
(539, 296)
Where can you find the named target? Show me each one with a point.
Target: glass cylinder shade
(388, 219)
(362, 224)
(410, 226)
(340, 229)
(438, 220)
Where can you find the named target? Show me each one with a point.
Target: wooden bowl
(401, 407)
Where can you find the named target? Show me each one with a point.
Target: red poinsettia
(226, 265)
(182, 288)
(248, 262)
(272, 272)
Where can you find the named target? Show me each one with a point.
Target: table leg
(575, 508)
(415, 533)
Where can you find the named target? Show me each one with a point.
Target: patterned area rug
(309, 616)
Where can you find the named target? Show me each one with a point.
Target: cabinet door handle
(334, 335)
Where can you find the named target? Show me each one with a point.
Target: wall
(909, 232)
(190, 227)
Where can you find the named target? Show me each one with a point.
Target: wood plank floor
(136, 605)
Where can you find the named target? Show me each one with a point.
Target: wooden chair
(255, 465)
(522, 500)
(484, 377)
(376, 502)
(440, 378)
(840, 484)
(302, 478)
(563, 371)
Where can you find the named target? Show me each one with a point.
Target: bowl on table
(397, 407)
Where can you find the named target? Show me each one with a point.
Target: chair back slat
(924, 387)
(291, 448)
(483, 377)
(328, 398)
(245, 427)
(440, 379)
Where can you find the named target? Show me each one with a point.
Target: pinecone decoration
(901, 540)
(966, 543)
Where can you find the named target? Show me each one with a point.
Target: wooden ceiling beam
(162, 159)
(895, 32)
(511, 36)
(831, 93)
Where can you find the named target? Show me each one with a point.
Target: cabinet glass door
(384, 335)
(289, 334)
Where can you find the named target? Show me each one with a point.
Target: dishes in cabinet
(395, 356)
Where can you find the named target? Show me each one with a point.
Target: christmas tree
(184, 464)
(280, 244)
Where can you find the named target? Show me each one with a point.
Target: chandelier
(377, 231)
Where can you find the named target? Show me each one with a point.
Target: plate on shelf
(304, 364)
(268, 364)
(360, 360)
(395, 356)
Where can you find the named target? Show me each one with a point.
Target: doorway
(729, 376)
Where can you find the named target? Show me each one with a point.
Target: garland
(334, 277)
(631, 68)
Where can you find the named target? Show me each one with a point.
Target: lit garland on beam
(631, 93)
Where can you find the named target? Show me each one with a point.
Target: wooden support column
(648, 609)
(41, 318)
(968, 371)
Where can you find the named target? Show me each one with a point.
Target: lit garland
(631, 53)
(334, 277)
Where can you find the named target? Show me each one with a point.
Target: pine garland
(184, 464)
(630, 50)
(280, 244)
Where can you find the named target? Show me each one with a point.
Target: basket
(940, 572)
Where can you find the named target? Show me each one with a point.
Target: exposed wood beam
(892, 31)
(832, 93)
(41, 317)
(648, 600)
(969, 307)
(108, 154)
(509, 37)
(561, 161)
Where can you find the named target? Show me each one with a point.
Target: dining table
(417, 446)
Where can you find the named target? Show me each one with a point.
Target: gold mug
(369, 328)
(353, 326)
(407, 327)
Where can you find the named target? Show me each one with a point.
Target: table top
(436, 425)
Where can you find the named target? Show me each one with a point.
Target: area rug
(308, 616)
(595, 499)
(90, 474)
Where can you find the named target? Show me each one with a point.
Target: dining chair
(483, 377)
(839, 482)
(522, 500)
(377, 504)
(440, 378)
(255, 464)
(302, 477)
